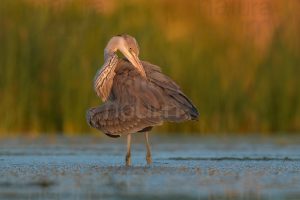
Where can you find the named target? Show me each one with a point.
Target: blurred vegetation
(239, 61)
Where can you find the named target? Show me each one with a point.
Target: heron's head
(129, 47)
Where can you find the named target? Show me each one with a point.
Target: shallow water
(183, 168)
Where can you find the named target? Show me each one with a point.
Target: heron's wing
(115, 120)
(172, 94)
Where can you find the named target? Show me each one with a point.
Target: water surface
(183, 167)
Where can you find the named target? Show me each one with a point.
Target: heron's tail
(193, 111)
(182, 108)
(187, 106)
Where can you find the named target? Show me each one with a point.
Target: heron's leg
(128, 154)
(148, 155)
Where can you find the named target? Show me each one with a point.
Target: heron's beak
(135, 61)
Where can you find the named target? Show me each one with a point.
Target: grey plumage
(136, 94)
(136, 103)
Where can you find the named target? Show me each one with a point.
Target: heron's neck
(104, 78)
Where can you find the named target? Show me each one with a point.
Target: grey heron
(136, 94)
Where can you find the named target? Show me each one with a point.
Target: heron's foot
(149, 159)
(128, 160)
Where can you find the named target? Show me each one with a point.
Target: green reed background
(239, 61)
